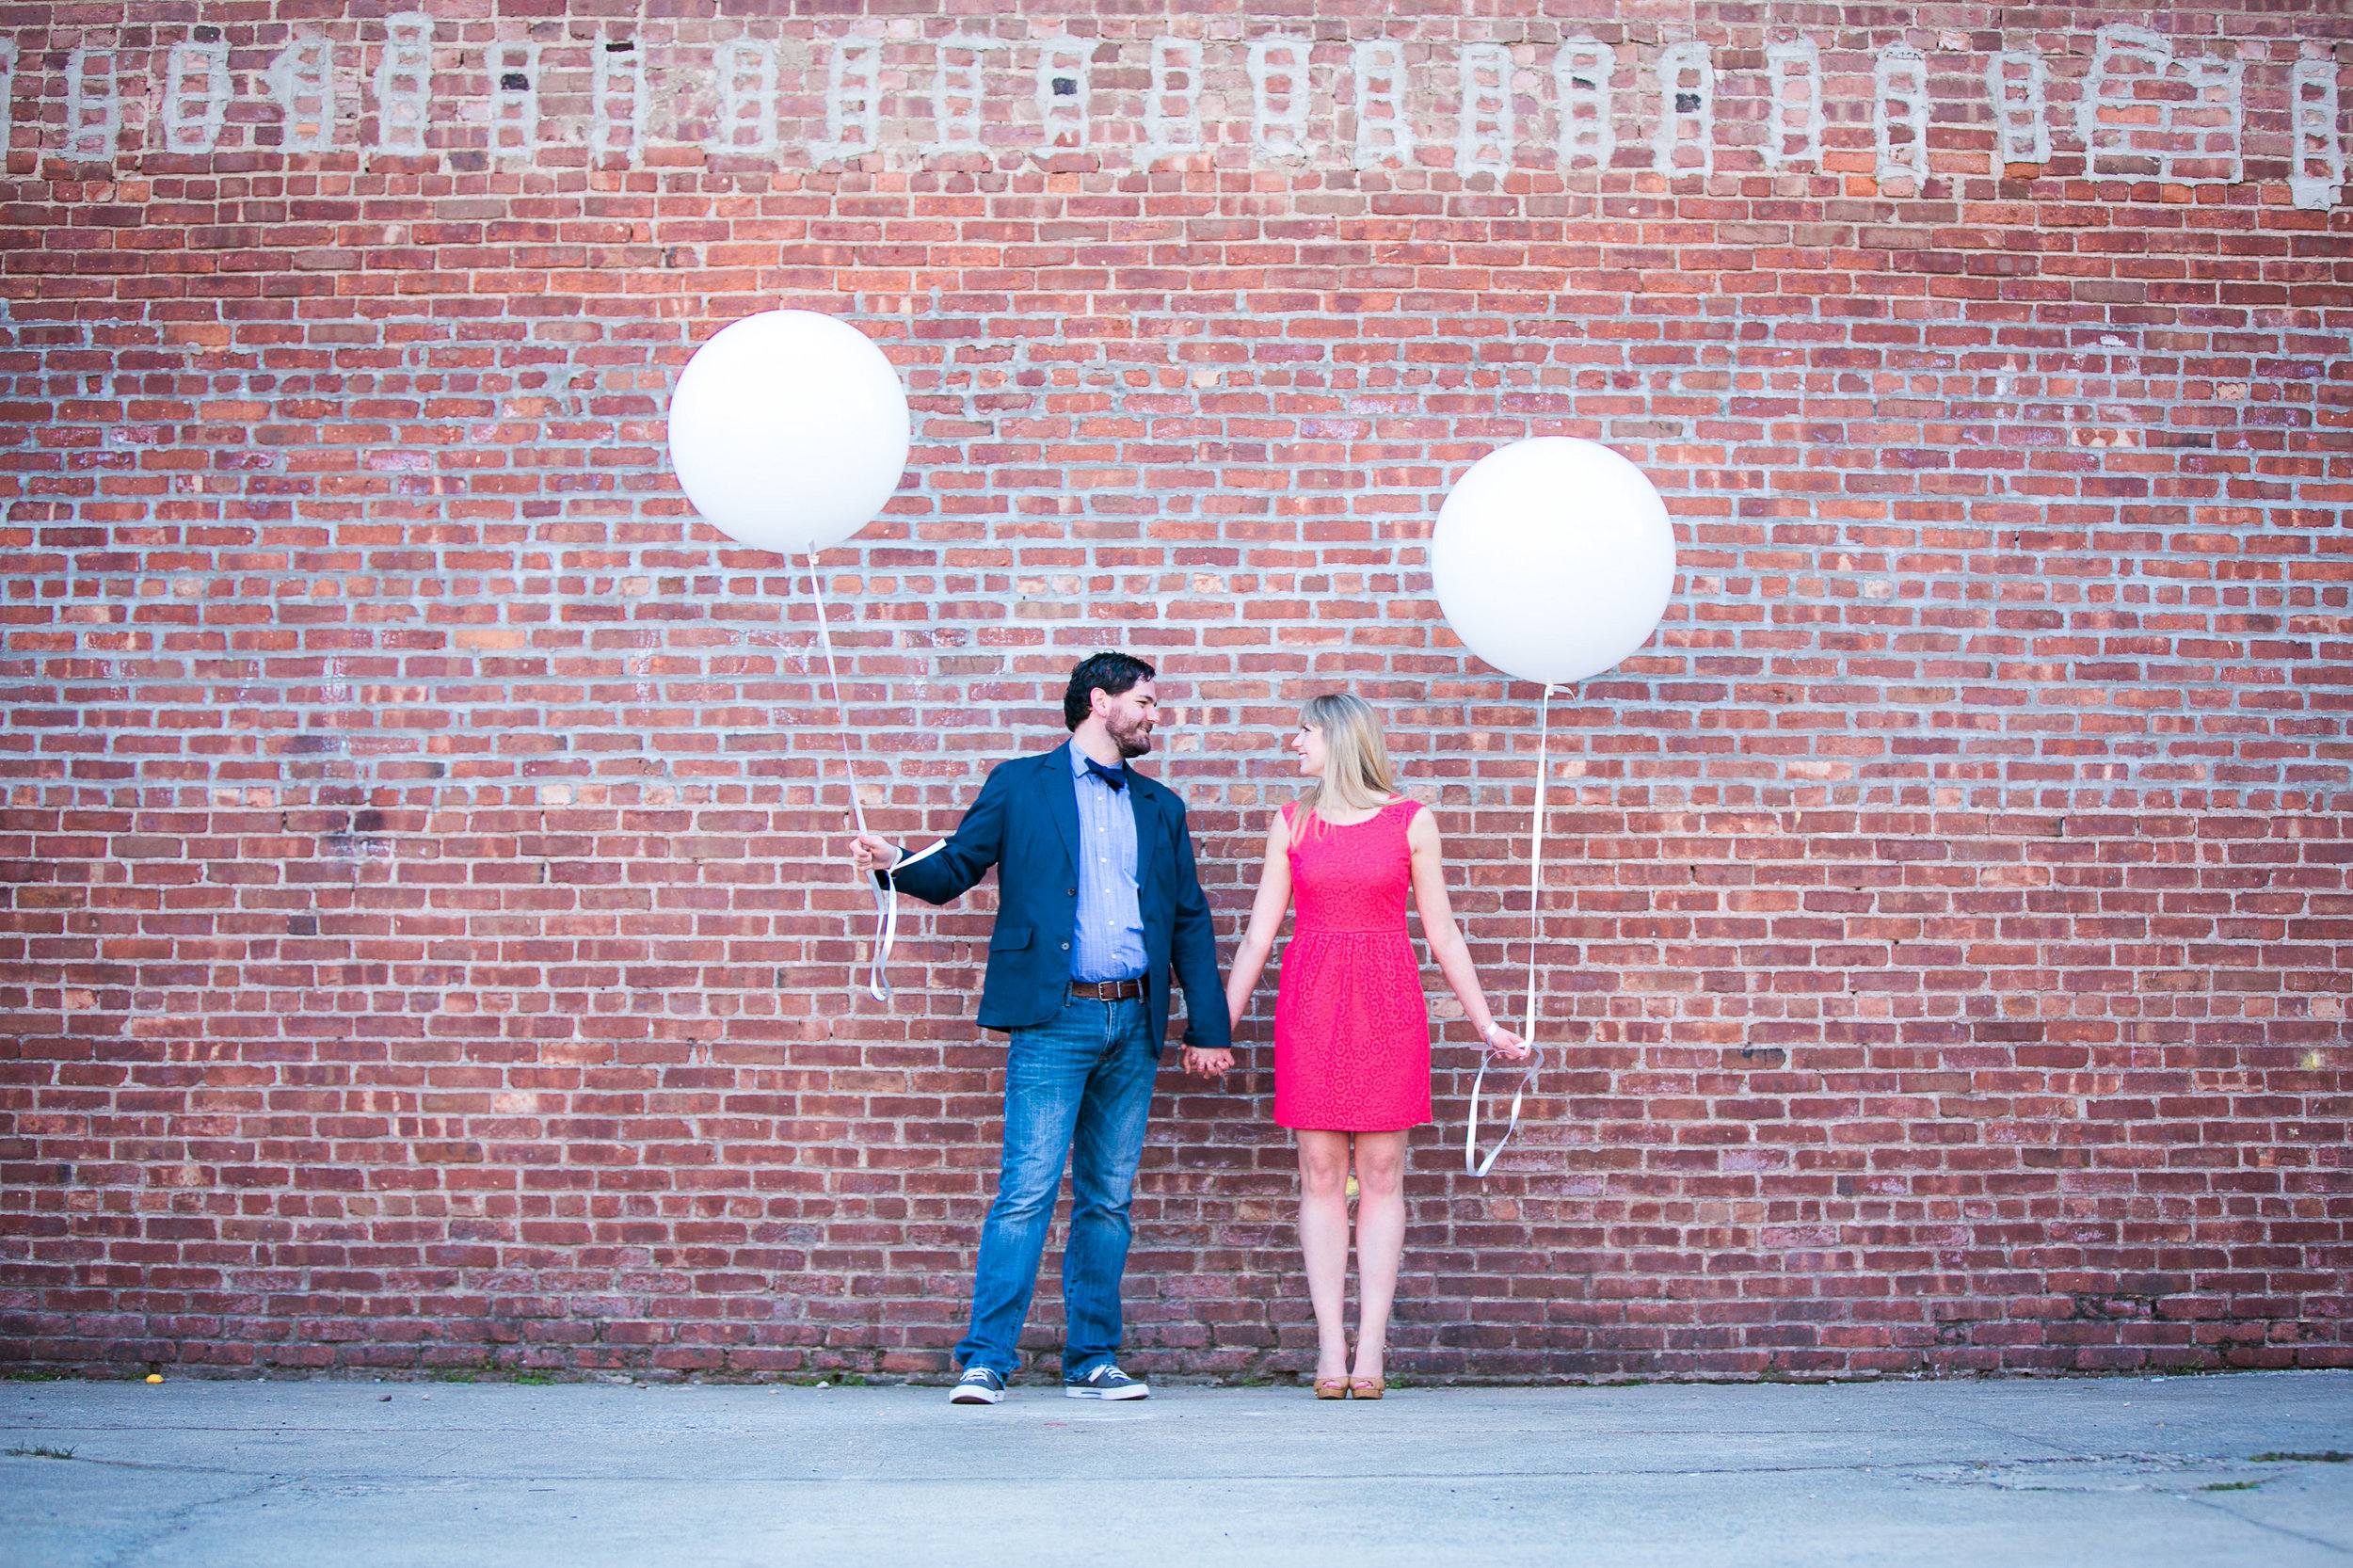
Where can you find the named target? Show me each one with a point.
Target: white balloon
(789, 431)
(1553, 559)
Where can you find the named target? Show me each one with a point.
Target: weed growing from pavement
(2326, 1456)
(41, 1450)
(2231, 1486)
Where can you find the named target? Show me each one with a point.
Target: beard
(1134, 741)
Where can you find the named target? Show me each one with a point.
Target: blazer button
(1065, 947)
(1070, 892)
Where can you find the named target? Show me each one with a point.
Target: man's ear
(1099, 701)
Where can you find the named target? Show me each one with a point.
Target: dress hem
(1303, 1127)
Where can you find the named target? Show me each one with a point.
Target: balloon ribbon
(886, 891)
(1471, 1161)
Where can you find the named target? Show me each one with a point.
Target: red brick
(427, 945)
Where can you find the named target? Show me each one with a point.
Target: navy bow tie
(1115, 777)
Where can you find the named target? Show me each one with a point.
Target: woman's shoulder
(1421, 827)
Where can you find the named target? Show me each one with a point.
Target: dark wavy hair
(1109, 673)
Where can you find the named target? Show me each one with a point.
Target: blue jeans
(1078, 1085)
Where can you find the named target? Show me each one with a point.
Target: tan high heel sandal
(1366, 1388)
(1331, 1388)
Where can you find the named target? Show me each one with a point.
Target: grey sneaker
(1106, 1382)
(979, 1385)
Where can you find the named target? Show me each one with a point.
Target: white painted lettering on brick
(1279, 98)
(196, 96)
(959, 93)
(1063, 94)
(93, 107)
(1581, 80)
(302, 80)
(1484, 138)
(514, 100)
(2317, 153)
(1900, 116)
(1384, 127)
(1793, 129)
(618, 100)
(746, 80)
(2016, 80)
(1685, 142)
(853, 101)
(1172, 115)
(404, 84)
(2146, 113)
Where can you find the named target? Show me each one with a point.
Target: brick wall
(425, 940)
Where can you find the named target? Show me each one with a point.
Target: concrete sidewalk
(318, 1475)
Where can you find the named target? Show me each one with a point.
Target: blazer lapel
(1061, 798)
(1151, 831)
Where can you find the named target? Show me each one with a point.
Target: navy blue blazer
(1026, 825)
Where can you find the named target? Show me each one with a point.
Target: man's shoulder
(1033, 761)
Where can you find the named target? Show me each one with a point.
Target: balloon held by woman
(1552, 560)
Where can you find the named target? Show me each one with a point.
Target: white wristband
(1489, 1033)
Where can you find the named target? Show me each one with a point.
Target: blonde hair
(1357, 769)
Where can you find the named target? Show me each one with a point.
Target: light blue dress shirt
(1110, 940)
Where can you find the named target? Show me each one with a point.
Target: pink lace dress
(1352, 1035)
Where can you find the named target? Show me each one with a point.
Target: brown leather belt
(1107, 990)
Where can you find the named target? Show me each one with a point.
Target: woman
(1351, 1035)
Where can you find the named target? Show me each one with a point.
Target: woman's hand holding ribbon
(1503, 1042)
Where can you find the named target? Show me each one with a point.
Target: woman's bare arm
(1266, 919)
(1445, 939)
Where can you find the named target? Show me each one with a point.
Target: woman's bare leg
(1380, 1241)
(1323, 1240)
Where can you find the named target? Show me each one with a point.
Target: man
(1097, 900)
